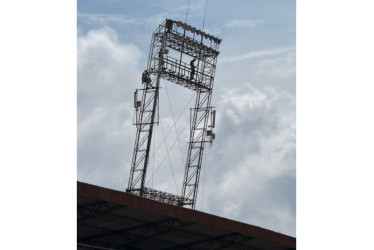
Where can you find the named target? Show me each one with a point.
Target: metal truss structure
(133, 232)
(174, 44)
(111, 219)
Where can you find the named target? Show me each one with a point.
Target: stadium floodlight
(175, 68)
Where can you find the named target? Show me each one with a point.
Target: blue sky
(249, 174)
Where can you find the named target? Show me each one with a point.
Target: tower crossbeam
(173, 45)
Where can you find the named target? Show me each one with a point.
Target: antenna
(213, 118)
(198, 74)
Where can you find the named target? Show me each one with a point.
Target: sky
(249, 172)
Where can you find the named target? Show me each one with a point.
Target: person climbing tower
(146, 79)
(192, 68)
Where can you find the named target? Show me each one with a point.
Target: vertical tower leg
(145, 119)
(198, 128)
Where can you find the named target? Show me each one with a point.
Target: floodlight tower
(186, 42)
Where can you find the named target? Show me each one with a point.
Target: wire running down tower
(185, 42)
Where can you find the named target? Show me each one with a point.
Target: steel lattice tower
(187, 42)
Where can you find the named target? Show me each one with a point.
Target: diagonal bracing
(174, 44)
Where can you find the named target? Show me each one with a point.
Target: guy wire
(188, 6)
(206, 7)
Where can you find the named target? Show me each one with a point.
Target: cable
(184, 109)
(175, 127)
(167, 150)
(202, 193)
(206, 7)
(159, 165)
(188, 6)
(153, 159)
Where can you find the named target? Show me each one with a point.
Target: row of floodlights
(191, 42)
(198, 32)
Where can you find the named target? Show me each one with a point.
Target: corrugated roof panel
(117, 220)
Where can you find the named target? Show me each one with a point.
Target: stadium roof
(110, 219)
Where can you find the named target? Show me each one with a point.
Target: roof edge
(126, 199)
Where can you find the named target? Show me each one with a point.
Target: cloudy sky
(249, 173)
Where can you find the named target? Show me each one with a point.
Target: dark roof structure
(110, 219)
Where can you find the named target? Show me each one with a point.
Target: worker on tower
(169, 25)
(160, 58)
(192, 68)
(146, 79)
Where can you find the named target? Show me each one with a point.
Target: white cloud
(256, 54)
(269, 67)
(104, 19)
(243, 23)
(255, 155)
(108, 72)
(96, 116)
(238, 103)
(110, 19)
